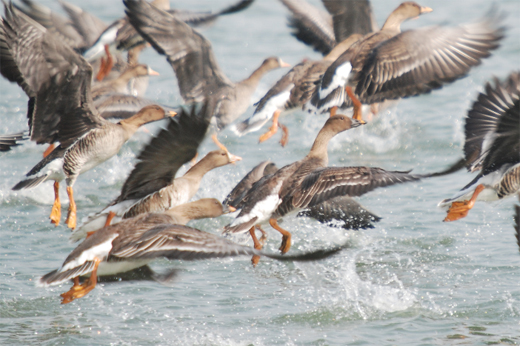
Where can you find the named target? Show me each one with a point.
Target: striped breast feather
(327, 183)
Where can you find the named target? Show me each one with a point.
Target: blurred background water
(412, 280)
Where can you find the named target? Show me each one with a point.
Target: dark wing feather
(85, 23)
(189, 53)
(493, 109)
(56, 277)
(198, 18)
(240, 190)
(418, 61)
(165, 154)
(58, 78)
(506, 145)
(59, 26)
(324, 184)
(311, 25)
(12, 140)
(351, 17)
(517, 222)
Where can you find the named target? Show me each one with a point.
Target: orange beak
(171, 113)
(284, 64)
(426, 10)
(152, 72)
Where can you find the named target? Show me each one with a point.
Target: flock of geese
(85, 101)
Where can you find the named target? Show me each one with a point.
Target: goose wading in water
(305, 183)
(137, 241)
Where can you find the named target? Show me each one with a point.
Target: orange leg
(263, 238)
(285, 135)
(71, 217)
(333, 111)
(217, 142)
(56, 207)
(286, 236)
(110, 217)
(77, 290)
(106, 65)
(357, 105)
(458, 210)
(258, 245)
(48, 150)
(273, 129)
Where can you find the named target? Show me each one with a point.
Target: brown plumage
(194, 63)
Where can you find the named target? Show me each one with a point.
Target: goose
(137, 241)
(331, 34)
(57, 80)
(492, 146)
(192, 59)
(152, 185)
(390, 64)
(308, 182)
(121, 35)
(341, 211)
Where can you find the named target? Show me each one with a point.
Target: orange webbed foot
(285, 135)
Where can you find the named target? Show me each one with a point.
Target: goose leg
(263, 238)
(217, 142)
(458, 210)
(110, 217)
(56, 207)
(258, 245)
(273, 129)
(71, 217)
(77, 290)
(286, 236)
(106, 65)
(357, 105)
(49, 150)
(285, 135)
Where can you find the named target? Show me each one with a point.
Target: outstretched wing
(165, 154)
(189, 53)
(418, 61)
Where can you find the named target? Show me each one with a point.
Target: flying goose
(390, 64)
(57, 80)
(492, 147)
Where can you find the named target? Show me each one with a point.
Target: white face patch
(339, 80)
(99, 251)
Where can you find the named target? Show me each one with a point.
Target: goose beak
(171, 113)
(233, 158)
(284, 64)
(425, 10)
(152, 72)
(229, 209)
(356, 123)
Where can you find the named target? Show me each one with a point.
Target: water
(412, 280)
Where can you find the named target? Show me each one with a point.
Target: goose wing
(165, 154)
(418, 61)
(188, 52)
(324, 184)
(54, 76)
